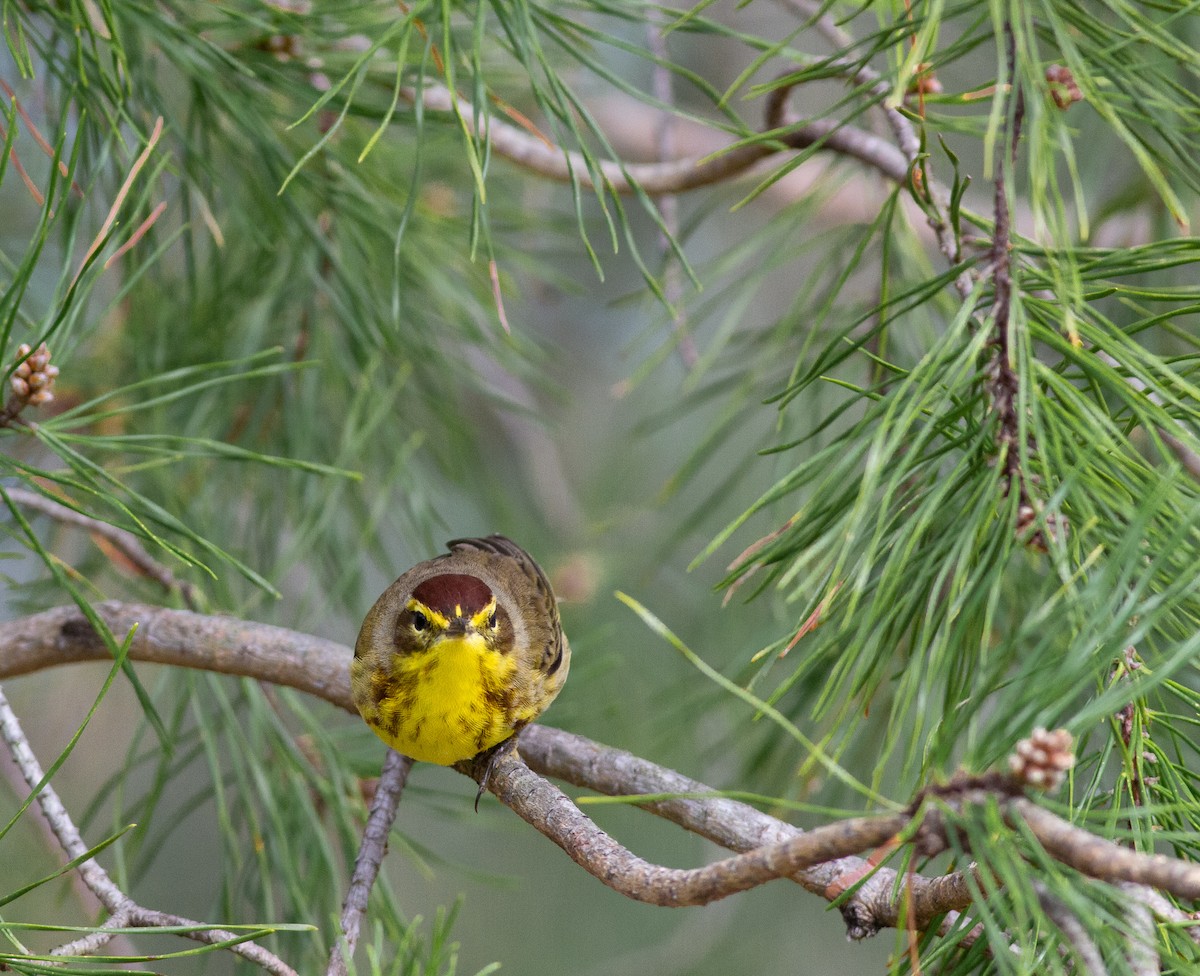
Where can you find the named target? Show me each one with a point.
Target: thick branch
(740, 827)
(1102, 859)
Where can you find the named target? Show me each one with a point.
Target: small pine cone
(925, 82)
(1063, 89)
(1039, 538)
(31, 378)
(1043, 759)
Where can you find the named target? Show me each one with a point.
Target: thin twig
(675, 176)
(128, 544)
(392, 778)
(1005, 381)
(1004, 386)
(118, 904)
(88, 901)
(903, 131)
(837, 36)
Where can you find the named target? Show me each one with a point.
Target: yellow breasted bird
(460, 653)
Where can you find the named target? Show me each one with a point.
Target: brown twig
(370, 856)
(675, 176)
(124, 541)
(1004, 384)
(123, 910)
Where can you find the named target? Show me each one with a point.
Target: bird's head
(451, 605)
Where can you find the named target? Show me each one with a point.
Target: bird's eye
(492, 619)
(419, 620)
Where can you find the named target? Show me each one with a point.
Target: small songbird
(460, 653)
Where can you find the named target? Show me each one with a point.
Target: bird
(460, 653)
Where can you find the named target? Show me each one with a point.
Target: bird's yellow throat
(447, 701)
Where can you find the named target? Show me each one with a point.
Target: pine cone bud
(1043, 759)
(1063, 88)
(31, 379)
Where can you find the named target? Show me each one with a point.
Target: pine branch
(555, 815)
(740, 827)
(321, 668)
(680, 175)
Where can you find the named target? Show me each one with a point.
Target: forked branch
(817, 859)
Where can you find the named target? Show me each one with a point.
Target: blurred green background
(583, 435)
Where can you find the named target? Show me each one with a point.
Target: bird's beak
(458, 626)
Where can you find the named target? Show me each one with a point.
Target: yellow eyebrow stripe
(440, 619)
(480, 620)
